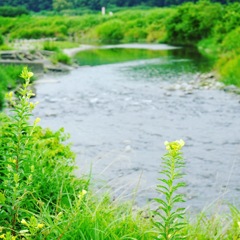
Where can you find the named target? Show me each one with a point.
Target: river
(120, 114)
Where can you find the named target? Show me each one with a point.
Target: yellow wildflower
(174, 146)
(2, 236)
(40, 225)
(37, 120)
(84, 192)
(26, 74)
(24, 222)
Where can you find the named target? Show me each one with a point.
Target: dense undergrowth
(40, 197)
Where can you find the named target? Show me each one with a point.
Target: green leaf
(2, 198)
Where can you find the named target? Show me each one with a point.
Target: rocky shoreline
(37, 60)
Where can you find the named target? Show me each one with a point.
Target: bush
(229, 69)
(111, 31)
(61, 57)
(9, 11)
(193, 22)
(231, 41)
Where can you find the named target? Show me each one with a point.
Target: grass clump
(9, 76)
(60, 57)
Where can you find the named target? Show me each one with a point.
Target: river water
(120, 114)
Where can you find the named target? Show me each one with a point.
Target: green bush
(9, 11)
(193, 22)
(231, 41)
(61, 57)
(111, 31)
(229, 69)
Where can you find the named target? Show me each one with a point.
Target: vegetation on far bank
(212, 27)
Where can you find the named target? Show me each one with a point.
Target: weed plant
(169, 219)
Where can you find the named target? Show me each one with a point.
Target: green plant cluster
(9, 11)
(10, 79)
(138, 25)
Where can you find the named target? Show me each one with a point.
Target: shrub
(111, 31)
(193, 22)
(229, 69)
(231, 41)
(9, 11)
(61, 57)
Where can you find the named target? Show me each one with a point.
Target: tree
(59, 5)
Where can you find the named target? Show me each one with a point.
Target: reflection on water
(194, 61)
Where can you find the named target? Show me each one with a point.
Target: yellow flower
(40, 225)
(31, 104)
(2, 236)
(37, 120)
(26, 74)
(174, 146)
(24, 222)
(84, 192)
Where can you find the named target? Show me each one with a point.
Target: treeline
(58, 5)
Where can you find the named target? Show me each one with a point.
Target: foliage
(9, 11)
(39, 5)
(111, 31)
(61, 57)
(9, 80)
(229, 69)
(1, 40)
(170, 222)
(193, 22)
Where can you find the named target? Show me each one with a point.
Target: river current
(119, 116)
